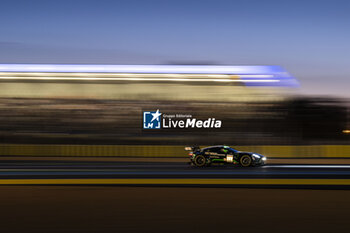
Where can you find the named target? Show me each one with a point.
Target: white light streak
(189, 69)
(140, 79)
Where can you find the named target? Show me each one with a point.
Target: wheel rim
(246, 161)
(200, 161)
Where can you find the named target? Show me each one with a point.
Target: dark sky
(310, 38)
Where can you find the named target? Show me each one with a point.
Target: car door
(222, 152)
(213, 153)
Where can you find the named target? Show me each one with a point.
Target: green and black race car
(224, 155)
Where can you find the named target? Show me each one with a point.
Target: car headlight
(256, 156)
(264, 158)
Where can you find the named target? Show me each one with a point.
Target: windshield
(233, 150)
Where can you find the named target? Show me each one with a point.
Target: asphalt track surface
(118, 207)
(60, 172)
(86, 209)
(53, 169)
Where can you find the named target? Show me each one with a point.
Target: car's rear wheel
(199, 161)
(245, 161)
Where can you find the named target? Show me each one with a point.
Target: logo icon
(151, 120)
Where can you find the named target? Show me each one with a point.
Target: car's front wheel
(245, 160)
(199, 161)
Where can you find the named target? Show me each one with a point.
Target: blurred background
(113, 121)
(310, 42)
(78, 111)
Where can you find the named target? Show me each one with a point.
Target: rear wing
(192, 148)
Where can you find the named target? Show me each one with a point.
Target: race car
(223, 155)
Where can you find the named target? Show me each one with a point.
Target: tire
(200, 161)
(245, 160)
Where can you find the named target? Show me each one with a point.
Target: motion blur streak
(143, 79)
(145, 181)
(248, 74)
(173, 75)
(315, 166)
(186, 69)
